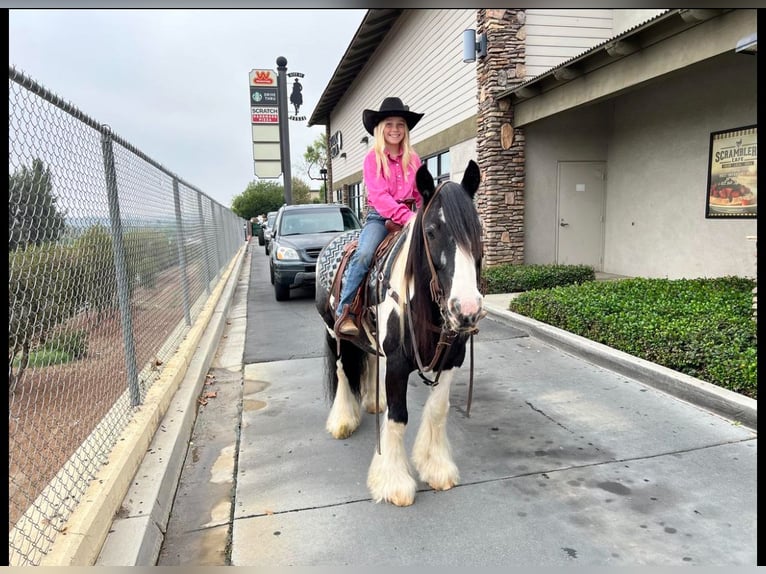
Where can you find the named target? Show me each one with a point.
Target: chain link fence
(111, 259)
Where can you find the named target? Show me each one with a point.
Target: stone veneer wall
(499, 146)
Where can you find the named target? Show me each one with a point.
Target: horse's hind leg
(370, 378)
(345, 415)
(431, 452)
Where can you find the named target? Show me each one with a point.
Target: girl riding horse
(423, 306)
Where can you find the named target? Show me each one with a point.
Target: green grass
(700, 327)
(43, 358)
(62, 348)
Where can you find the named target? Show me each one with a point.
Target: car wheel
(281, 292)
(271, 274)
(266, 248)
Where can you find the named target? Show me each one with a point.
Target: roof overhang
(668, 42)
(374, 27)
(748, 44)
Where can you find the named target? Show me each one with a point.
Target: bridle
(447, 335)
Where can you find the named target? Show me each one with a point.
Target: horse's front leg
(389, 477)
(431, 452)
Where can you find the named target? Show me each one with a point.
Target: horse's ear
(425, 183)
(471, 178)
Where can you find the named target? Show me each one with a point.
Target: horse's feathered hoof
(403, 500)
(341, 423)
(389, 479)
(438, 474)
(403, 495)
(445, 484)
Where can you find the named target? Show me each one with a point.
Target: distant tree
(316, 159)
(316, 156)
(259, 197)
(43, 291)
(301, 191)
(98, 284)
(33, 216)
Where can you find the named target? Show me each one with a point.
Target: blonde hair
(379, 146)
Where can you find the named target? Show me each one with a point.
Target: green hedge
(700, 327)
(507, 278)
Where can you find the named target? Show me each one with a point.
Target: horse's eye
(431, 234)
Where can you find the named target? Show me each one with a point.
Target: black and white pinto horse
(426, 299)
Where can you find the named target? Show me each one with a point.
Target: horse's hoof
(396, 498)
(446, 485)
(402, 500)
(342, 432)
(442, 476)
(370, 408)
(398, 489)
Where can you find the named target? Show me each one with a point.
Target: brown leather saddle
(359, 303)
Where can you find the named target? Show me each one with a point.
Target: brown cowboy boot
(345, 325)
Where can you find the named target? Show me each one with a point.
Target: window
(356, 198)
(439, 166)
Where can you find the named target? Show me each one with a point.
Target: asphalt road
(562, 462)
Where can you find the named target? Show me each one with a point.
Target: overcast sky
(174, 83)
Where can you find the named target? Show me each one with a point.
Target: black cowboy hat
(390, 107)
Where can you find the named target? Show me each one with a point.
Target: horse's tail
(330, 372)
(352, 361)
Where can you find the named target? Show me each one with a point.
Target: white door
(581, 210)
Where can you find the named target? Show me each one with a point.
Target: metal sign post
(284, 131)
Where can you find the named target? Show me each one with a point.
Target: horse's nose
(466, 310)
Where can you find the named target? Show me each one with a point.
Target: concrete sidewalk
(574, 454)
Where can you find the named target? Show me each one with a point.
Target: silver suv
(299, 234)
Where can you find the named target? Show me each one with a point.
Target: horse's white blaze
(464, 289)
(345, 414)
(389, 476)
(431, 452)
(368, 385)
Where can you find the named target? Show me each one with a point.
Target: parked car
(258, 228)
(300, 232)
(271, 217)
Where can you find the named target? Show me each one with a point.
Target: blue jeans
(373, 232)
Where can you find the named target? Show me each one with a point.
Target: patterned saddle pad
(329, 258)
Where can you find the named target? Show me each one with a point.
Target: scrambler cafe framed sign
(732, 186)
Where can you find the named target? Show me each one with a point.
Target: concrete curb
(136, 535)
(728, 404)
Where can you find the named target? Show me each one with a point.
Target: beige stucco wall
(655, 141)
(657, 186)
(580, 135)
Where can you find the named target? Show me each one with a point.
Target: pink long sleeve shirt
(385, 194)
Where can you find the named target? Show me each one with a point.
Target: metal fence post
(217, 226)
(205, 244)
(120, 267)
(180, 239)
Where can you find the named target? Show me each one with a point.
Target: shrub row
(700, 327)
(507, 278)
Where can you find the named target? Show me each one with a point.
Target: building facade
(593, 128)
